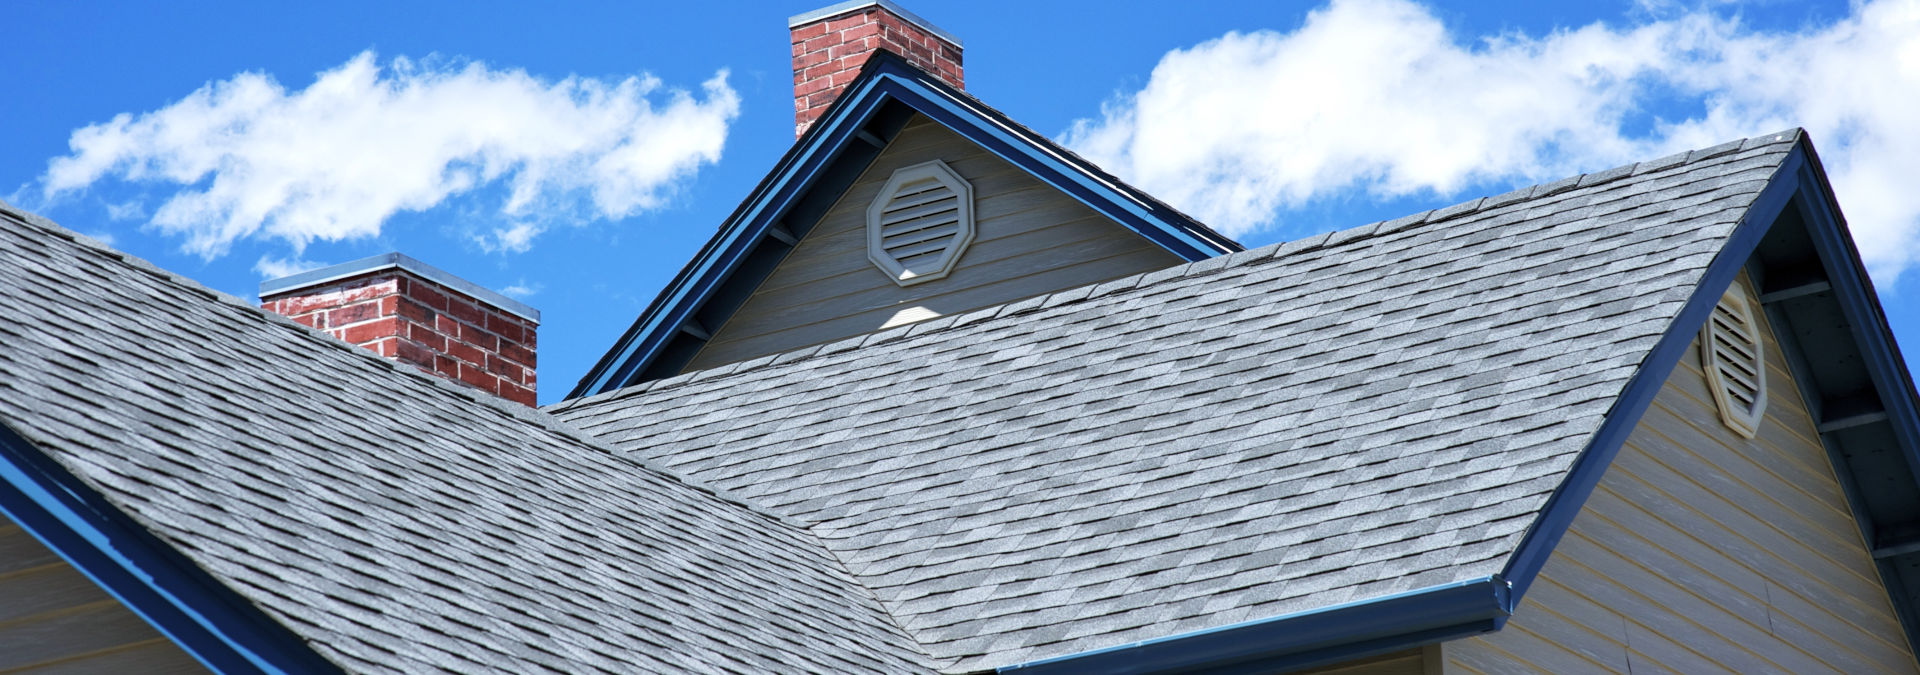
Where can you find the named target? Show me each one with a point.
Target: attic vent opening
(1732, 356)
(920, 223)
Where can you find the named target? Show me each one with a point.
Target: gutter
(1305, 639)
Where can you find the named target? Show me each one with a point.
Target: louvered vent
(1736, 367)
(920, 223)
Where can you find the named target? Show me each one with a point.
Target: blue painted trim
(885, 78)
(1304, 639)
(1537, 545)
(1859, 303)
(210, 621)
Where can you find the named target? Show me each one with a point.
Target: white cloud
(126, 211)
(522, 290)
(517, 238)
(1378, 95)
(364, 142)
(273, 268)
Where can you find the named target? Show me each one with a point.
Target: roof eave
(1306, 639)
(210, 621)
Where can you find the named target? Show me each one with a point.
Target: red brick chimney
(411, 312)
(831, 43)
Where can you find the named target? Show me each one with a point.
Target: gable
(813, 175)
(1702, 549)
(53, 616)
(1029, 239)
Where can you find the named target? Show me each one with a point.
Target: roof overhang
(216, 625)
(1794, 243)
(834, 151)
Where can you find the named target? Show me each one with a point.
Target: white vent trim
(920, 223)
(1734, 359)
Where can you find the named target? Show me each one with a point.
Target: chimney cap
(839, 8)
(332, 273)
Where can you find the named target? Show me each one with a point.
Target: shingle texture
(396, 522)
(1352, 415)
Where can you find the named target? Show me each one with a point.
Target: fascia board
(1305, 639)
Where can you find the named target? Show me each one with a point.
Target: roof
(820, 165)
(1376, 411)
(386, 519)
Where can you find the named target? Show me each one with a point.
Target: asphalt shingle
(1348, 416)
(395, 521)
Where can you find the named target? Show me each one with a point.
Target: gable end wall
(54, 619)
(1703, 551)
(1031, 239)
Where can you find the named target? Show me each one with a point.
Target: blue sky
(577, 155)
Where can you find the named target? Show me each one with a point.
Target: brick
(411, 310)
(532, 339)
(479, 338)
(822, 71)
(820, 43)
(809, 31)
(518, 394)
(445, 325)
(517, 353)
(813, 86)
(446, 365)
(370, 331)
(822, 99)
(428, 295)
(507, 370)
(467, 353)
(386, 347)
(838, 25)
(355, 313)
(427, 337)
(860, 31)
(508, 328)
(413, 352)
(809, 60)
(467, 312)
(478, 377)
(312, 320)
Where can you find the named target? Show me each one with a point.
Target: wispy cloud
(337, 159)
(517, 238)
(132, 210)
(522, 290)
(1378, 95)
(273, 268)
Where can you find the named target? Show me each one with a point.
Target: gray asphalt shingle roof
(394, 521)
(1348, 416)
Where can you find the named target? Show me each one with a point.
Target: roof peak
(1212, 265)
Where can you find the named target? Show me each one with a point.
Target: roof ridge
(534, 416)
(1349, 236)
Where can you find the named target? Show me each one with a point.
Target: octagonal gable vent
(1730, 353)
(920, 223)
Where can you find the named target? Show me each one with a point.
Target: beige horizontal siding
(53, 619)
(1030, 239)
(1703, 551)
